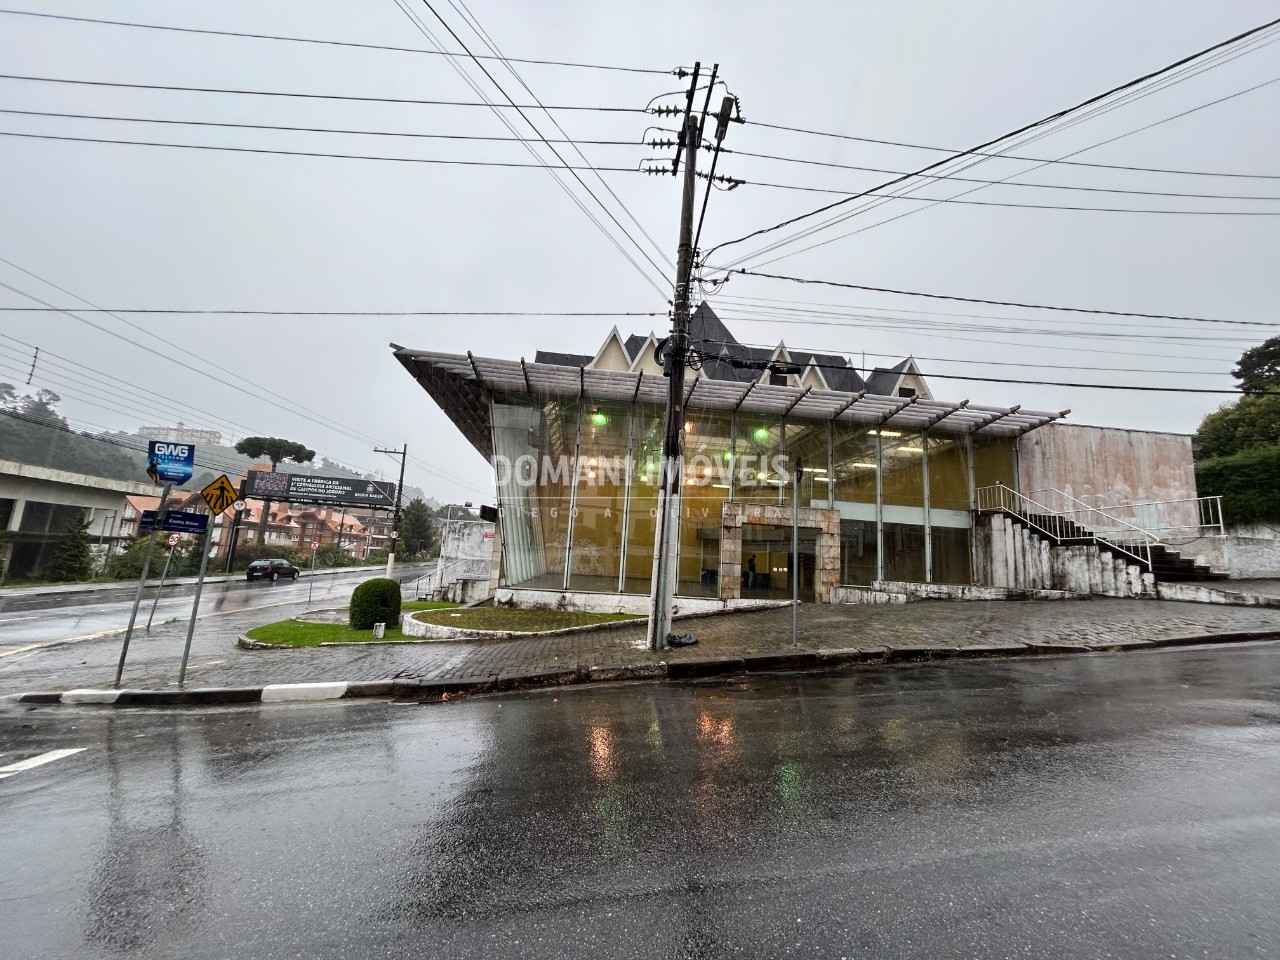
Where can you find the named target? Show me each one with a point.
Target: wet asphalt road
(1112, 805)
(40, 648)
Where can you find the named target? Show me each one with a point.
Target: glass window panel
(857, 552)
(809, 442)
(993, 461)
(902, 468)
(855, 461)
(707, 465)
(758, 462)
(536, 491)
(602, 485)
(951, 563)
(904, 552)
(648, 424)
(948, 473)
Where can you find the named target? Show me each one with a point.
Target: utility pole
(671, 472)
(403, 454)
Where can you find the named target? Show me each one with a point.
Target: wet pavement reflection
(1117, 805)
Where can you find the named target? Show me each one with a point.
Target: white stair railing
(1082, 522)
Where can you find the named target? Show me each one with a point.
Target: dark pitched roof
(719, 347)
(563, 359)
(634, 343)
(883, 381)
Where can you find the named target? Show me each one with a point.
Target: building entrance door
(768, 564)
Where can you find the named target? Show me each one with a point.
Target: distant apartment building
(181, 434)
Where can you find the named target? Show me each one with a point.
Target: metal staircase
(1064, 520)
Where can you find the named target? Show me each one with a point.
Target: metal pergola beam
(996, 418)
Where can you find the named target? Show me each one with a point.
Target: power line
(291, 407)
(1013, 133)
(474, 23)
(895, 326)
(1179, 76)
(332, 425)
(339, 313)
(794, 351)
(312, 96)
(1025, 206)
(301, 153)
(1001, 303)
(679, 71)
(1008, 156)
(1038, 186)
(1053, 331)
(151, 403)
(805, 308)
(292, 129)
(563, 164)
(1051, 383)
(59, 423)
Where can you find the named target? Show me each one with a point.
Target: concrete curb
(545, 677)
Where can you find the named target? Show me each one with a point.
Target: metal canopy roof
(460, 385)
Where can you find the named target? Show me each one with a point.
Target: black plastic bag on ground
(681, 640)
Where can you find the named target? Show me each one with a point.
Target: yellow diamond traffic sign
(219, 495)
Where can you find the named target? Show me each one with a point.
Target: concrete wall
(1103, 466)
(466, 550)
(1248, 551)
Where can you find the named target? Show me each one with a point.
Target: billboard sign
(170, 462)
(321, 491)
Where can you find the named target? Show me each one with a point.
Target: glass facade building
(576, 455)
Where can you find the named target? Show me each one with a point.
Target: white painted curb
(276, 692)
(90, 696)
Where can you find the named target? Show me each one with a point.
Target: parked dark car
(271, 570)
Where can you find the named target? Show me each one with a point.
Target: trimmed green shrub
(1248, 482)
(375, 601)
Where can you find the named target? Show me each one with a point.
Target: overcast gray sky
(134, 226)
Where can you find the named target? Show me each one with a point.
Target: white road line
(16, 619)
(23, 765)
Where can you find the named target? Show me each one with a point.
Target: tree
(417, 527)
(274, 449)
(1259, 368)
(332, 555)
(1251, 422)
(71, 560)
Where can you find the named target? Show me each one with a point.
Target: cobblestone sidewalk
(1012, 626)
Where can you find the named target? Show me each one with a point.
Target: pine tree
(71, 560)
(417, 527)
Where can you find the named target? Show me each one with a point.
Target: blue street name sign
(175, 521)
(170, 462)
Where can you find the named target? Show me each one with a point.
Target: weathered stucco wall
(1247, 552)
(1106, 465)
(466, 550)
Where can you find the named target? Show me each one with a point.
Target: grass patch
(525, 621)
(294, 633)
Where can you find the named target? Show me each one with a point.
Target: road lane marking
(16, 619)
(24, 765)
(30, 646)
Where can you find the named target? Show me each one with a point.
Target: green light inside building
(600, 419)
(761, 433)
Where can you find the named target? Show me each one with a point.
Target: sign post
(168, 561)
(195, 606)
(219, 495)
(315, 544)
(167, 464)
